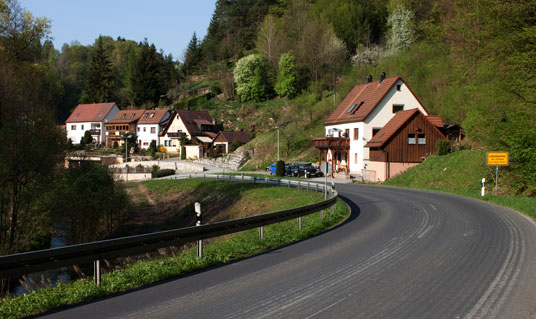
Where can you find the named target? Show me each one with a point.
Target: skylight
(76, 115)
(355, 107)
(351, 109)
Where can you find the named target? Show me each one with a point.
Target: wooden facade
(412, 142)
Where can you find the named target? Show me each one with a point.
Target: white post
(483, 187)
(261, 232)
(96, 272)
(198, 223)
(496, 178)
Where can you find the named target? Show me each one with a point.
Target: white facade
(147, 133)
(382, 113)
(173, 143)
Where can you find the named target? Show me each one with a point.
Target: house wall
(193, 152)
(400, 151)
(145, 136)
(384, 170)
(80, 128)
(225, 144)
(382, 114)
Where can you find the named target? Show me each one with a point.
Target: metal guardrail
(41, 260)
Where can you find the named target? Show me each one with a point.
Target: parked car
(291, 170)
(308, 170)
(272, 168)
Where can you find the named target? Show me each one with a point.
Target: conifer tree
(193, 56)
(147, 79)
(99, 83)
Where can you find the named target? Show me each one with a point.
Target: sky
(169, 24)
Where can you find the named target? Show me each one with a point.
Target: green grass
(174, 263)
(461, 173)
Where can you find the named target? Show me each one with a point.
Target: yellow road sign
(497, 158)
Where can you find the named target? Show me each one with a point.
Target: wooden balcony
(332, 143)
(176, 134)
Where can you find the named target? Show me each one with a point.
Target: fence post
(242, 176)
(96, 272)
(299, 223)
(261, 232)
(198, 222)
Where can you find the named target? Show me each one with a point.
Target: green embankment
(461, 173)
(173, 262)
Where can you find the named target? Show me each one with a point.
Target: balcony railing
(94, 131)
(332, 142)
(176, 134)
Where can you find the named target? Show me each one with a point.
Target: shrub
(280, 168)
(162, 149)
(162, 172)
(183, 153)
(442, 147)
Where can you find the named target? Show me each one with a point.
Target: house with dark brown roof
(124, 122)
(405, 141)
(151, 125)
(196, 126)
(223, 140)
(92, 118)
(363, 112)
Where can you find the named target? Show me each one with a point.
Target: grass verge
(174, 263)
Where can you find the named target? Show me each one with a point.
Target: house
(92, 118)
(405, 141)
(195, 126)
(363, 112)
(125, 121)
(150, 126)
(223, 140)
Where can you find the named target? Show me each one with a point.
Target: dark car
(308, 170)
(291, 170)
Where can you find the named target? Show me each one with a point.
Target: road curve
(402, 254)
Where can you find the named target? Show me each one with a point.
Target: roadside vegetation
(461, 173)
(173, 262)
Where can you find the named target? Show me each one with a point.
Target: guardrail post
(261, 232)
(288, 182)
(299, 185)
(242, 176)
(198, 223)
(299, 223)
(266, 180)
(96, 272)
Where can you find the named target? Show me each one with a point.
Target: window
(73, 127)
(153, 130)
(145, 143)
(145, 116)
(421, 139)
(82, 127)
(132, 116)
(145, 129)
(347, 132)
(124, 115)
(138, 129)
(411, 138)
(77, 114)
(355, 158)
(354, 108)
(399, 87)
(375, 130)
(356, 133)
(397, 107)
(152, 115)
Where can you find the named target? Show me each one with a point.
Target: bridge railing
(41, 260)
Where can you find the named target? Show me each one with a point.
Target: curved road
(403, 254)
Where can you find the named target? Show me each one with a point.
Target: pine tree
(193, 56)
(99, 83)
(147, 80)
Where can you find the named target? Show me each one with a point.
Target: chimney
(369, 79)
(382, 77)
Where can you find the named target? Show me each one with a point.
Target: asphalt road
(402, 254)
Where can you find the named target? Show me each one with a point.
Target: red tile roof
(229, 137)
(153, 116)
(90, 112)
(363, 99)
(383, 135)
(127, 117)
(436, 120)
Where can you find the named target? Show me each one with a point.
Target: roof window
(152, 115)
(132, 116)
(146, 114)
(124, 115)
(76, 115)
(354, 108)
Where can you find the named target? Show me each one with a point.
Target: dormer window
(132, 116)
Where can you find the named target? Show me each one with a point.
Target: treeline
(37, 194)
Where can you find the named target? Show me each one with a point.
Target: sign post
(497, 159)
(198, 222)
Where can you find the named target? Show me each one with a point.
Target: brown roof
(436, 120)
(153, 116)
(242, 137)
(90, 112)
(192, 118)
(127, 117)
(383, 135)
(362, 100)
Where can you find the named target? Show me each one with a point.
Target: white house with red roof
(363, 112)
(197, 126)
(151, 125)
(92, 118)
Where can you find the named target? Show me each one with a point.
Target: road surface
(402, 254)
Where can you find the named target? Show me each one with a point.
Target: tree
(99, 82)
(193, 56)
(86, 139)
(280, 168)
(268, 40)
(286, 79)
(402, 32)
(251, 78)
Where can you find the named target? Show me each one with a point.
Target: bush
(162, 172)
(162, 149)
(280, 168)
(183, 153)
(442, 147)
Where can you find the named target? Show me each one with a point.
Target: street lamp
(277, 127)
(126, 137)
